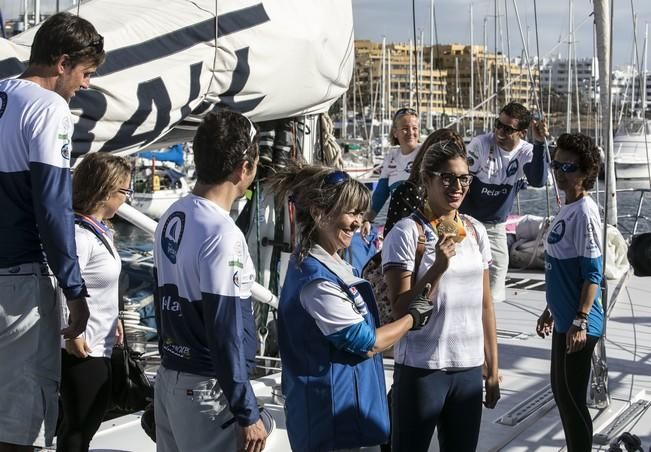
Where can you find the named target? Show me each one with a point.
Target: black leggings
(425, 399)
(569, 379)
(85, 398)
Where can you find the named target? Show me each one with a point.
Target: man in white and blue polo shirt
(204, 273)
(37, 235)
(503, 163)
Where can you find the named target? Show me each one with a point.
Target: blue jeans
(425, 399)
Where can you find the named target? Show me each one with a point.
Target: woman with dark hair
(437, 381)
(333, 378)
(405, 133)
(100, 185)
(574, 315)
(408, 196)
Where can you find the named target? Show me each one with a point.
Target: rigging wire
(415, 50)
(537, 100)
(640, 70)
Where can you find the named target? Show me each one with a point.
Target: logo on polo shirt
(512, 168)
(172, 235)
(557, 232)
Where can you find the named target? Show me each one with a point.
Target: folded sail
(165, 69)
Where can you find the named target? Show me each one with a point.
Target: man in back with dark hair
(204, 273)
(37, 239)
(503, 163)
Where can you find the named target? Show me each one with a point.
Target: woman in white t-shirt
(438, 372)
(100, 186)
(405, 133)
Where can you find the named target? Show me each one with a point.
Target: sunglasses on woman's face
(448, 179)
(564, 167)
(506, 128)
(126, 192)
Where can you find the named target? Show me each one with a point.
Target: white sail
(164, 68)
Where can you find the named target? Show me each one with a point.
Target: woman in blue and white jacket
(333, 377)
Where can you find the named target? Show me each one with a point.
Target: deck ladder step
(610, 431)
(524, 409)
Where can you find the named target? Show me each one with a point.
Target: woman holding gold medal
(437, 381)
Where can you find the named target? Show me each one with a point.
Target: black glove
(420, 309)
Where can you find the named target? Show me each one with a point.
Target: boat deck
(524, 366)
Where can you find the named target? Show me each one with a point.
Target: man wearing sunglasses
(503, 163)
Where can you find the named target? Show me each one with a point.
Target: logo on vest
(172, 235)
(557, 232)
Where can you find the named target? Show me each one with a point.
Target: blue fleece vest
(334, 399)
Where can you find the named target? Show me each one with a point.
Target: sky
(374, 19)
(392, 19)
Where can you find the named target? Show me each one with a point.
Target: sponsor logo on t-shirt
(557, 232)
(512, 168)
(236, 279)
(408, 167)
(172, 235)
(65, 151)
(496, 192)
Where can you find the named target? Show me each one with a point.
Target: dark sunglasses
(336, 178)
(507, 129)
(564, 167)
(126, 192)
(448, 179)
(404, 111)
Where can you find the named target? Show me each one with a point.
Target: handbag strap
(420, 250)
(82, 222)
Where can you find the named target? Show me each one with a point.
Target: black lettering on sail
(150, 93)
(240, 77)
(93, 106)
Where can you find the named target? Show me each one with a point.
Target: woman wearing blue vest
(333, 377)
(573, 270)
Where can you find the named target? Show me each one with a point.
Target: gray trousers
(190, 412)
(500, 255)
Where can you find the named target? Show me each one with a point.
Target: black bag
(131, 388)
(639, 254)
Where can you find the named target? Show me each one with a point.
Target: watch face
(581, 324)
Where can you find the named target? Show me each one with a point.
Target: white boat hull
(155, 204)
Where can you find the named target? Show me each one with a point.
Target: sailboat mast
(431, 65)
(602, 21)
(382, 91)
(635, 63)
(644, 66)
(568, 107)
(411, 74)
(472, 77)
